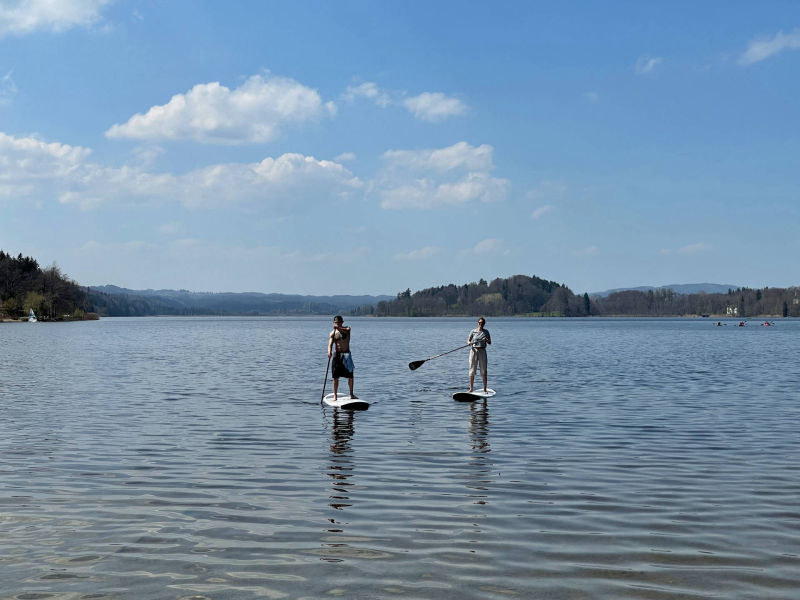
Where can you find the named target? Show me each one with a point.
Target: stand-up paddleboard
(473, 395)
(346, 402)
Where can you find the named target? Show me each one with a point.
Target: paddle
(418, 363)
(326, 380)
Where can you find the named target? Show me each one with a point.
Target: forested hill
(24, 285)
(517, 295)
(121, 302)
(522, 295)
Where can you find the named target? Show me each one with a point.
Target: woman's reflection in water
(480, 463)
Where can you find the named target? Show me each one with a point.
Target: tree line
(737, 303)
(24, 285)
(518, 295)
(522, 295)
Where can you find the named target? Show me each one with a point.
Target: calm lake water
(190, 458)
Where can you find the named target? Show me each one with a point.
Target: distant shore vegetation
(523, 295)
(24, 285)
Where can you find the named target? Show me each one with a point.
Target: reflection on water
(621, 460)
(480, 463)
(341, 466)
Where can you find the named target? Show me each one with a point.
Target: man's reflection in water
(341, 464)
(480, 463)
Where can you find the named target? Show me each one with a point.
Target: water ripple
(174, 458)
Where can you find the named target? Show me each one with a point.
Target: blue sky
(370, 147)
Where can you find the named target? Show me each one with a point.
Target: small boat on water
(32, 317)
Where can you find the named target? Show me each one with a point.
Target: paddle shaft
(324, 383)
(418, 363)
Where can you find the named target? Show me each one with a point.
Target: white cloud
(425, 179)
(35, 169)
(762, 48)
(26, 16)
(419, 254)
(591, 96)
(212, 113)
(460, 155)
(427, 106)
(646, 64)
(370, 91)
(487, 246)
(28, 165)
(541, 211)
(434, 106)
(8, 89)
(345, 157)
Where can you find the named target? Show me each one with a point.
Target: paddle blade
(415, 365)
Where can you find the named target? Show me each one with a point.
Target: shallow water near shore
(157, 458)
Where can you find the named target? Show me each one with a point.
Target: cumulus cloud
(213, 113)
(368, 90)
(427, 106)
(26, 16)
(434, 106)
(646, 64)
(762, 48)
(419, 254)
(32, 168)
(425, 179)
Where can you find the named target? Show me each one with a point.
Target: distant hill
(678, 288)
(114, 301)
(516, 295)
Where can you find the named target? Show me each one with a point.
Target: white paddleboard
(346, 402)
(473, 395)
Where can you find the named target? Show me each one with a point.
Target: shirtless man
(342, 360)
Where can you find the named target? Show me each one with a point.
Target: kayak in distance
(473, 395)
(344, 401)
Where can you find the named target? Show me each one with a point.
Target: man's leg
(350, 382)
(335, 388)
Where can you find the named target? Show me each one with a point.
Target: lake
(160, 458)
